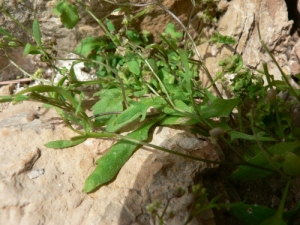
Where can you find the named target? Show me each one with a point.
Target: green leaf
(218, 107)
(37, 32)
(257, 214)
(110, 25)
(111, 101)
(88, 45)
(251, 214)
(135, 110)
(274, 220)
(180, 105)
(110, 164)
(134, 37)
(30, 49)
(63, 143)
(178, 120)
(134, 67)
(219, 38)
(238, 135)
(170, 29)
(4, 32)
(248, 173)
(291, 164)
(67, 12)
(187, 72)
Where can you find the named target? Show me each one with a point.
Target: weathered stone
(241, 21)
(7, 89)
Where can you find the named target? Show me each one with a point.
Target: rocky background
(43, 186)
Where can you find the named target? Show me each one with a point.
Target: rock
(241, 21)
(39, 185)
(7, 89)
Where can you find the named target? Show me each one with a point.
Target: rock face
(43, 186)
(241, 21)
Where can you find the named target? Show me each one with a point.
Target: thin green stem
(277, 65)
(114, 40)
(26, 73)
(275, 105)
(4, 10)
(264, 151)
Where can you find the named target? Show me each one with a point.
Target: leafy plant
(136, 74)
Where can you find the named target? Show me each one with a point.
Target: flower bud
(216, 132)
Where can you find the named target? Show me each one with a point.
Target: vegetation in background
(135, 74)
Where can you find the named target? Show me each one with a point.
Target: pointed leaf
(187, 72)
(135, 110)
(4, 32)
(63, 143)
(37, 32)
(30, 49)
(178, 120)
(238, 135)
(110, 164)
(110, 25)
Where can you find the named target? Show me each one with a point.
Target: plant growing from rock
(156, 84)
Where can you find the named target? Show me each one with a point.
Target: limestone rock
(7, 89)
(241, 21)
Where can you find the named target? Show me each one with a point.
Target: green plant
(135, 74)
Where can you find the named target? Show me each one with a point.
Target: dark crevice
(294, 15)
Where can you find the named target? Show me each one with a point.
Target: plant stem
(277, 65)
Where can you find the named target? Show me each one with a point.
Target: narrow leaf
(110, 164)
(238, 135)
(187, 72)
(37, 32)
(63, 143)
(135, 110)
(178, 120)
(30, 49)
(110, 25)
(4, 32)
